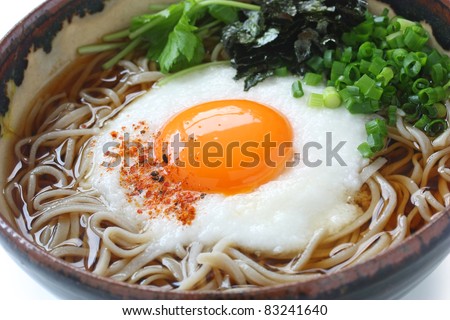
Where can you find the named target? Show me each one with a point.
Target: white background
(16, 284)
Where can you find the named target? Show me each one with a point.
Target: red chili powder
(148, 183)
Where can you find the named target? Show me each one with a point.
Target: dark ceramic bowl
(46, 40)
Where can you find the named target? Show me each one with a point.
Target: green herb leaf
(173, 36)
(149, 25)
(227, 15)
(157, 36)
(184, 48)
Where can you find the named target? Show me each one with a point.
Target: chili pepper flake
(148, 181)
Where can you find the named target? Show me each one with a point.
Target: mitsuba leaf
(172, 41)
(228, 15)
(167, 19)
(157, 36)
(286, 33)
(183, 49)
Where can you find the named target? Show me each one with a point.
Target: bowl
(46, 41)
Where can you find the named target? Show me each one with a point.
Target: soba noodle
(50, 204)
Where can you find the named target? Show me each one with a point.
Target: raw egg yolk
(226, 146)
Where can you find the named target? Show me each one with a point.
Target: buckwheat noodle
(50, 203)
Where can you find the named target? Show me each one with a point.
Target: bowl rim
(437, 230)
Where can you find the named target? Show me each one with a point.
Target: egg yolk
(226, 146)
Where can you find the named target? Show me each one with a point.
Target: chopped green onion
(447, 86)
(340, 83)
(430, 111)
(377, 53)
(348, 92)
(411, 65)
(392, 115)
(379, 33)
(413, 111)
(441, 110)
(315, 100)
(409, 107)
(441, 93)
(423, 57)
(331, 98)
(376, 142)
(388, 53)
(438, 74)
(422, 122)
(390, 67)
(349, 39)
(376, 137)
(412, 117)
(436, 127)
(383, 19)
(297, 89)
(376, 134)
(313, 79)
(393, 27)
(388, 96)
(374, 93)
(437, 110)
(420, 84)
(385, 76)
(429, 96)
(377, 65)
(446, 62)
(347, 55)
(338, 54)
(351, 73)
(414, 99)
(365, 150)
(365, 83)
(282, 72)
(404, 78)
(404, 23)
(358, 105)
(376, 126)
(365, 51)
(316, 63)
(415, 37)
(383, 44)
(364, 66)
(399, 55)
(337, 69)
(395, 40)
(374, 105)
(360, 33)
(328, 58)
(364, 28)
(433, 58)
